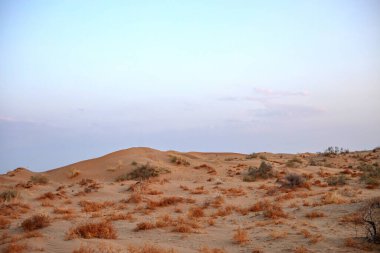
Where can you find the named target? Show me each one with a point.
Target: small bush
(371, 174)
(240, 236)
(8, 195)
(102, 230)
(336, 180)
(149, 249)
(36, 222)
(179, 161)
(293, 180)
(264, 171)
(39, 179)
(314, 214)
(142, 172)
(251, 156)
(371, 218)
(294, 162)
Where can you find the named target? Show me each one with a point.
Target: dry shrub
(142, 172)
(305, 233)
(260, 206)
(120, 216)
(134, 198)
(62, 210)
(74, 173)
(233, 192)
(275, 212)
(264, 171)
(300, 249)
(99, 248)
(285, 196)
(103, 230)
(371, 218)
(206, 249)
(89, 206)
(37, 221)
(351, 243)
(196, 212)
(336, 180)
(15, 248)
(8, 195)
(332, 198)
(166, 201)
(179, 160)
(148, 248)
(199, 190)
(278, 235)
(240, 236)
(210, 170)
(144, 226)
(314, 214)
(293, 180)
(4, 223)
(355, 218)
(47, 195)
(39, 179)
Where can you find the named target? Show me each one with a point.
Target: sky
(80, 79)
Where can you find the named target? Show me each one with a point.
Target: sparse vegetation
(147, 248)
(333, 151)
(240, 236)
(371, 174)
(103, 230)
(264, 171)
(179, 160)
(37, 221)
(336, 180)
(142, 172)
(39, 179)
(294, 162)
(293, 180)
(251, 156)
(8, 195)
(371, 218)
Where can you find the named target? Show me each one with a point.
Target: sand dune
(146, 200)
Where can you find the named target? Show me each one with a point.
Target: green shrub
(264, 171)
(336, 180)
(142, 172)
(8, 195)
(39, 179)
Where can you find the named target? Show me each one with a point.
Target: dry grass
(314, 214)
(103, 230)
(332, 198)
(15, 248)
(144, 226)
(47, 195)
(4, 223)
(166, 201)
(39, 179)
(89, 206)
(206, 249)
(135, 198)
(196, 212)
(300, 249)
(240, 236)
(37, 221)
(8, 195)
(99, 248)
(351, 243)
(149, 248)
(278, 235)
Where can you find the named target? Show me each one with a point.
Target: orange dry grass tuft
(15, 248)
(167, 201)
(47, 195)
(62, 210)
(4, 222)
(147, 248)
(36, 222)
(196, 212)
(332, 198)
(240, 236)
(274, 212)
(103, 230)
(134, 198)
(205, 249)
(89, 206)
(144, 226)
(301, 249)
(314, 214)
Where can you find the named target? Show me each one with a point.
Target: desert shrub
(314, 214)
(37, 221)
(39, 179)
(263, 157)
(371, 218)
(333, 151)
(15, 248)
(74, 173)
(142, 172)
(8, 195)
(264, 171)
(102, 230)
(371, 174)
(293, 180)
(144, 226)
(336, 180)
(251, 156)
(240, 236)
(134, 163)
(294, 162)
(179, 161)
(4, 223)
(147, 248)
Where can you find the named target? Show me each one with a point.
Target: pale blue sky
(79, 79)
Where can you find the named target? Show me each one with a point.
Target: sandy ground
(198, 203)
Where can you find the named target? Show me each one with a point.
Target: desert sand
(146, 200)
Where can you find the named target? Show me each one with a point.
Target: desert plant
(240, 236)
(251, 156)
(294, 162)
(336, 180)
(39, 179)
(293, 180)
(179, 160)
(142, 172)
(8, 195)
(371, 174)
(102, 230)
(37, 221)
(371, 218)
(264, 171)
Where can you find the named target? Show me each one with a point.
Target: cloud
(287, 111)
(279, 93)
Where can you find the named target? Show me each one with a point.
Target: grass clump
(336, 180)
(294, 162)
(264, 171)
(8, 195)
(102, 230)
(37, 221)
(251, 156)
(293, 180)
(39, 179)
(179, 160)
(142, 172)
(371, 174)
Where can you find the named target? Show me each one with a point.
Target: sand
(199, 202)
